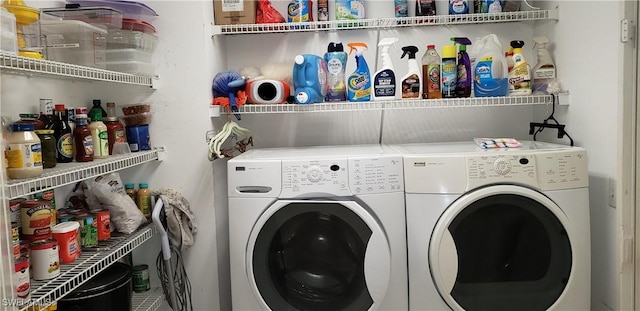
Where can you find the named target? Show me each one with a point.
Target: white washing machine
(497, 229)
(317, 228)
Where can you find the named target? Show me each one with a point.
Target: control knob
(502, 166)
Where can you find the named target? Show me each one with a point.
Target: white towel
(487, 143)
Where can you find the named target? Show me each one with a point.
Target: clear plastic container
(132, 67)
(100, 16)
(137, 119)
(127, 39)
(124, 55)
(129, 9)
(137, 25)
(75, 42)
(8, 33)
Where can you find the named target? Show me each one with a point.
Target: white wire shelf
(44, 293)
(398, 104)
(438, 20)
(18, 64)
(150, 300)
(69, 173)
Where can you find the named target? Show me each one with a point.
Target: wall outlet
(612, 192)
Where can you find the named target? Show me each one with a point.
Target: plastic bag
(266, 14)
(108, 191)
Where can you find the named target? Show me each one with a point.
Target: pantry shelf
(398, 104)
(25, 65)
(69, 173)
(419, 21)
(150, 300)
(44, 293)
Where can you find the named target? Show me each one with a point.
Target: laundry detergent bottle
(490, 70)
(384, 80)
(411, 83)
(309, 79)
(359, 82)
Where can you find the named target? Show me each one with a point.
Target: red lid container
(137, 25)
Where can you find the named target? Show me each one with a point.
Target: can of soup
(88, 230)
(103, 224)
(14, 209)
(21, 280)
(36, 219)
(45, 260)
(50, 196)
(141, 278)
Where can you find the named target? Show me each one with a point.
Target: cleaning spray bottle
(544, 72)
(520, 75)
(309, 79)
(508, 55)
(449, 73)
(359, 82)
(490, 69)
(299, 11)
(336, 60)
(464, 78)
(412, 81)
(384, 80)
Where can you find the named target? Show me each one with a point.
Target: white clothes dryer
(497, 229)
(317, 228)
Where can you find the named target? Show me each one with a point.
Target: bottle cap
(59, 107)
(111, 105)
(22, 127)
(111, 119)
(129, 186)
(143, 185)
(39, 132)
(81, 110)
(449, 51)
(335, 47)
(96, 102)
(431, 46)
(28, 115)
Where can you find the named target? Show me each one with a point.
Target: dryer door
(501, 248)
(318, 255)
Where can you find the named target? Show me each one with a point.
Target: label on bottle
(544, 73)
(100, 143)
(449, 76)
(323, 10)
(64, 146)
(87, 145)
(458, 7)
(384, 84)
(119, 136)
(426, 8)
(411, 87)
(26, 156)
(463, 85)
(401, 8)
(520, 78)
(359, 87)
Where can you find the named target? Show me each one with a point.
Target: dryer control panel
(344, 177)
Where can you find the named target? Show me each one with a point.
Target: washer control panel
(344, 177)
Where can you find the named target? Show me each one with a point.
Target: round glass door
(311, 256)
(512, 253)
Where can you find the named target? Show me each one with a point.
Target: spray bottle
(359, 82)
(384, 80)
(412, 81)
(464, 78)
(449, 73)
(520, 75)
(544, 72)
(336, 60)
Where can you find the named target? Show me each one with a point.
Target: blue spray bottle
(359, 82)
(464, 80)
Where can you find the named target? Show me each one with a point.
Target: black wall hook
(545, 124)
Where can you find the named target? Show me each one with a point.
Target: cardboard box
(231, 12)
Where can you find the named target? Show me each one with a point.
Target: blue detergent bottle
(309, 79)
(359, 82)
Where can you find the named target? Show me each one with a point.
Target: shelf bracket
(162, 152)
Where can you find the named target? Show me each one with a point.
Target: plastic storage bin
(75, 42)
(129, 9)
(137, 25)
(99, 16)
(123, 55)
(126, 39)
(133, 67)
(8, 33)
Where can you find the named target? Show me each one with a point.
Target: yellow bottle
(144, 199)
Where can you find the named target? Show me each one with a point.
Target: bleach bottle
(336, 60)
(309, 79)
(359, 82)
(490, 69)
(384, 80)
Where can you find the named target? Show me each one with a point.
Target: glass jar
(48, 146)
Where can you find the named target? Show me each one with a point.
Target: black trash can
(108, 291)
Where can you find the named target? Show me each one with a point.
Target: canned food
(16, 250)
(14, 208)
(88, 230)
(103, 224)
(15, 233)
(45, 262)
(36, 219)
(64, 217)
(24, 248)
(67, 236)
(21, 278)
(50, 196)
(141, 278)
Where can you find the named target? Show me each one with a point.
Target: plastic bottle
(309, 79)
(63, 135)
(299, 11)
(449, 71)
(520, 75)
(490, 69)
(83, 139)
(359, 82)
(130, 189)
(144, 199)
(431, 73)
(458, 7)
(97, 106)
(349, 9)
(411, 82)
(464, 77)
(425, 7)
(491, 6)
(336, 59)
(323, 10)
(401, 8)
(544, 71)
(115, 132)
(98, 135)
(24, 156)
(384, 80)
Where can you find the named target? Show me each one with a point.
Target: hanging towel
(181, 226)
(487, 143)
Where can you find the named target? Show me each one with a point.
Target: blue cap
(22, 127)
(143, 185)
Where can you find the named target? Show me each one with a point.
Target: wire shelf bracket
(150, 300)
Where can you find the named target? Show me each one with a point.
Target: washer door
(501, 248)
(318, 255)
